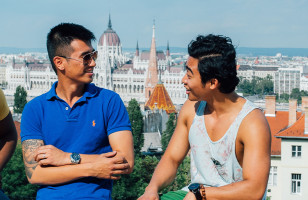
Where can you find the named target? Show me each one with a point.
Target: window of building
(296, 183)
(272, 179)
(296, 151)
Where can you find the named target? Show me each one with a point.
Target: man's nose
(92, 63)
(184, 79)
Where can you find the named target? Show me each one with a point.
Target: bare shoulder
(254, 126)
(188, 111)
(28, 150)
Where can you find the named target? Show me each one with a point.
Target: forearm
(242, 190)
(59, 175)
(163, 176)
(7, 148)
(8, 139)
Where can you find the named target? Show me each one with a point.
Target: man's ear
(214, 83)
(59, 63)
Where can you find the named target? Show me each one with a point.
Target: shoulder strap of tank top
(201, 107)
(247, 108)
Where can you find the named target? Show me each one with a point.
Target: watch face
(75, 157)
(193, 186)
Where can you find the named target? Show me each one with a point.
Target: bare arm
(176, 151)
(107, 167)
(122, 143)
(8, 140)
(256, 162)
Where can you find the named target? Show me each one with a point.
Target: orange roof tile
(277, 124)
(294, 131)
(161, 99)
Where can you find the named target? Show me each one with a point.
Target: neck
(223, 103)
(70, 93)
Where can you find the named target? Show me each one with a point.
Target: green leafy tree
(20, 99)
(297, 94)
(257, 85)
(136, 119)
(167, 134)
(14, 180)
(130, 187)
(284, 97)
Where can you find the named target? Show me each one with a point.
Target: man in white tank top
(228, 136)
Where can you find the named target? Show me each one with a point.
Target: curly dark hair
(60, 37)
(216, 55)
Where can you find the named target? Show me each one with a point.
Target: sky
(249, 23)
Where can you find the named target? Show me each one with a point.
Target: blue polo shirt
(84, 128)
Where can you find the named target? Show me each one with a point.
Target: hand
(149, 195)
(190, 196)
(50, 155)
(110, 166)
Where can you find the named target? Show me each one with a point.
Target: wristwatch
(198, 190)
(75, 158)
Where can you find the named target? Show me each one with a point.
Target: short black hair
(216, 55)
(60, 37)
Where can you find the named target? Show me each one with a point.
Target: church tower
(152, 71)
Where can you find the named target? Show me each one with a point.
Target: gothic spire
(168, 51)
(109, 23)
(153, 35)
(137, 49)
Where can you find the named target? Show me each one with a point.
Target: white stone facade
(285, 80)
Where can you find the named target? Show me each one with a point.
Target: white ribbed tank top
(214, 164)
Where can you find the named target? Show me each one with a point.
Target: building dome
(110, 36)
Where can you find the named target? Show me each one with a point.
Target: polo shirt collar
(90, 91)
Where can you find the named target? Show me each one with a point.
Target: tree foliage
(20, 99)
(136, 119)
(257, 86)
(295, 94)
(167, 134)
(14, 180)
(130, 187)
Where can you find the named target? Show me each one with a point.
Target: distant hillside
(247, 51)
(290, 52)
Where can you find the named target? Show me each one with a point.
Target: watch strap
(202, 192)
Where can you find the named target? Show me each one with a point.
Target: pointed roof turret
(109, 23)
(160, 99)
(111, 36)
(137, 49)
(152, 75)
(167, 51)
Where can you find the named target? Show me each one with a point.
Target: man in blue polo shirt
(76, 138)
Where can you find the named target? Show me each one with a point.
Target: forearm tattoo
(28, 149)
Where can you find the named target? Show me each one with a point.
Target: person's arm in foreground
(254, 134)
(8, 139)
(176, 151)
(121, 142)
(107, 166)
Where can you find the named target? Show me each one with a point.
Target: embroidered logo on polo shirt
(93, 123)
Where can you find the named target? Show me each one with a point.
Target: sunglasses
(86, 59)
